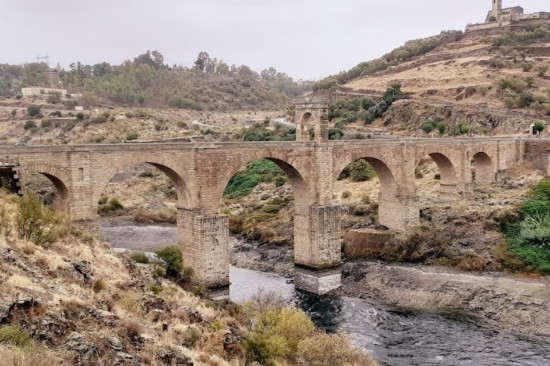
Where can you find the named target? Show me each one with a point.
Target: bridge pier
(204, 241)
(398, 213)
(317, 250)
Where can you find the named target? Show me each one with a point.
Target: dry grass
(130, 302)
(31, 355)
(22, 282)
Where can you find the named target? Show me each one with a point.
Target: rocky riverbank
(517, 304)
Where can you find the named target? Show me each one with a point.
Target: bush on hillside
(323, 349)
(38, 223)
(174, 260)
(277, 335)
(33, 110)
(529, 240)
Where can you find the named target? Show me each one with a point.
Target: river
(395, 337)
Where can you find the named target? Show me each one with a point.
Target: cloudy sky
(307, 39)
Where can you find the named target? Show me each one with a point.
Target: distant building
(38, 90)
(502, 17)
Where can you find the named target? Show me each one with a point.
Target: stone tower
(497, 8)
(311, 118)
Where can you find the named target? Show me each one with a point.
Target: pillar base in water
(319, 282)
(219, 293)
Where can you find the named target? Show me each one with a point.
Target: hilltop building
(504, 17)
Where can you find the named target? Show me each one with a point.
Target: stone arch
(298, 179)
(448, 187)
(387, 197)
(484, 172)
(59, 176)
(164, 166)
(388, 185)
(446, 168)
(306, 118)
(304, 126)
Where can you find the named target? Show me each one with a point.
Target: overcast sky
(307, 39)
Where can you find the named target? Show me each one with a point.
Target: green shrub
(542, 190)
(132, 136)
(463, 128)
(37, 223)
(360, 171)
(33, 110)
(154, 288)
(441, 128)
(428, 127)
(29, 125)
(242, 183)
(182, 102)
(14, 336)
(542, 69)
(277, 335)
(99, 285)
(139, 257)
(535, 231)
(535, 207)
(335, 134)
(529, 240)
(103, 200)
(45, 123)
(80, 116)
(280, 181)
(539, 126)
(437, 176)
(111, 206)
(174, 260)
(512, 83)
(521, 36)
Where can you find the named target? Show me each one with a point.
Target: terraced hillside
(495, 83)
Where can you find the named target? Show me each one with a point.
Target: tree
(155, 59)
(33, 110)
(538, 127)
(269, 74)
(441, 128)
(202, 60)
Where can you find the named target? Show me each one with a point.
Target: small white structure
(37, 90)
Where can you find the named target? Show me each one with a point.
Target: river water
(395, 337)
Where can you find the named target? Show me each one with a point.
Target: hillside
(210, 84)
(495, 83)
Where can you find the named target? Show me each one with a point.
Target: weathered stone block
(317, 282)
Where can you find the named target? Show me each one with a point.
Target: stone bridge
(200, 173)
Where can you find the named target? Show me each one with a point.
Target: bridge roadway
(200, 172)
